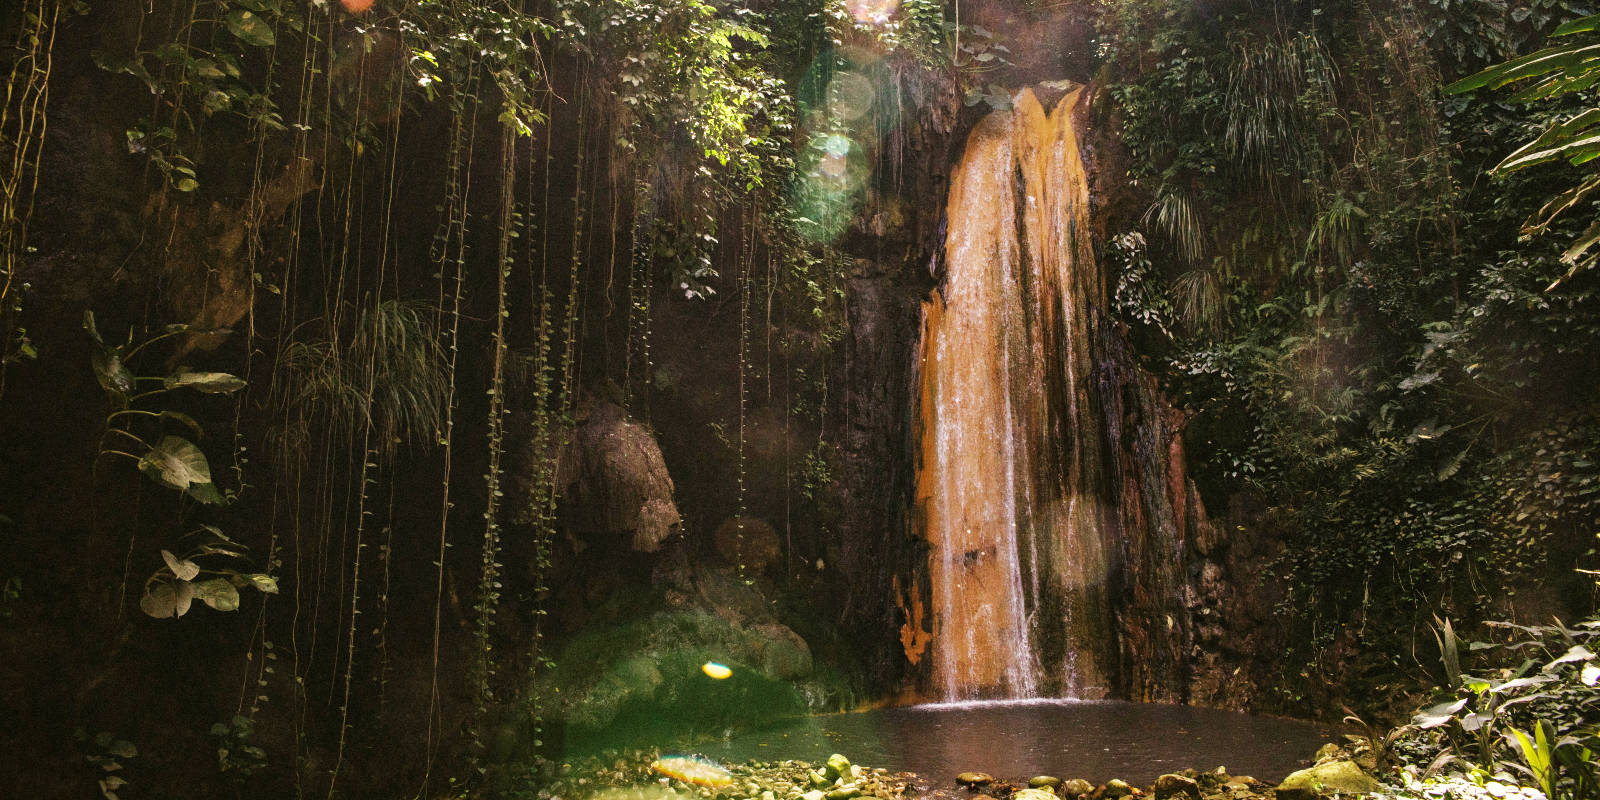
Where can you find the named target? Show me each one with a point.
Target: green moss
(641, 683)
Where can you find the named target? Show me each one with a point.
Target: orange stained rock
(1004, 364)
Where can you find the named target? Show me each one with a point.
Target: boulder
(613, 480)
(1329, 778)
(1176, 786)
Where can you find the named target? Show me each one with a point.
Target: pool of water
(1097, 740)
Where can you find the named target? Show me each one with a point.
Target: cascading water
(1020, 491)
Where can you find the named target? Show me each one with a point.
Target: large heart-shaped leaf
(250, 28)
(182, 568)
(159, 601)
(206, 493)
(176, 462)
(109, 370)
(218, 593)
(182, 597)
(208, 382)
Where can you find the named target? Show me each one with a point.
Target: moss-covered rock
(1328, 778)
(642, 682)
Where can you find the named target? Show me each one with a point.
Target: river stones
(1044, 782)
(1116, 787)
(1172, 785)
(1077, 787)
(1333, 777)
(974, 779)
(844, 792)
(838, 766)
(1034, 794)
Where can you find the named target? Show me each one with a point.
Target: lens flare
(690, 769)
(850, 96)
(715, 670)
(872, 12)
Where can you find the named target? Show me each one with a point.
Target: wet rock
(844, 792)
(1114, 788)
(814, 794)
(1172, 786)
(819, 779)
(837, 767)
(1034, 794)
(1330, 752)
(974, 779)
(1332, 777)
(1044, 782)
(1077, 787)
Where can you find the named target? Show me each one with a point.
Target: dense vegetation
(300, 302)
(1336, 286)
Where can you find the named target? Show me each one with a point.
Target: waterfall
(1017, 496)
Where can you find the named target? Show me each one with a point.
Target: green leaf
(1579, 25)
(109, 370)
(159, 601)
(183, 596)
(1576, 653)
(218, 593)
(265, 583)
(182, 569)
(250, 28)
(1434, 716)
(206, 493)
(88, 325)
(177, 463)
(208, 382)
(186, 184)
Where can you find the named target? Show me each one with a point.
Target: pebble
(974, 779)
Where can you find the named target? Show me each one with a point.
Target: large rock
(613, 480)
(1173, 785)
(1330, 778)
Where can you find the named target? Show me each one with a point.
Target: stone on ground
(1333, 777)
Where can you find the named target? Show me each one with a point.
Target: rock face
(1333, 777)
(613, 480)
(747, 542)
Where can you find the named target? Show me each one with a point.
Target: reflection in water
(1014, 740)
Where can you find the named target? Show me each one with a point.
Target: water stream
(1011, 466)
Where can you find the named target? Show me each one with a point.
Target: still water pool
(1097, 740)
